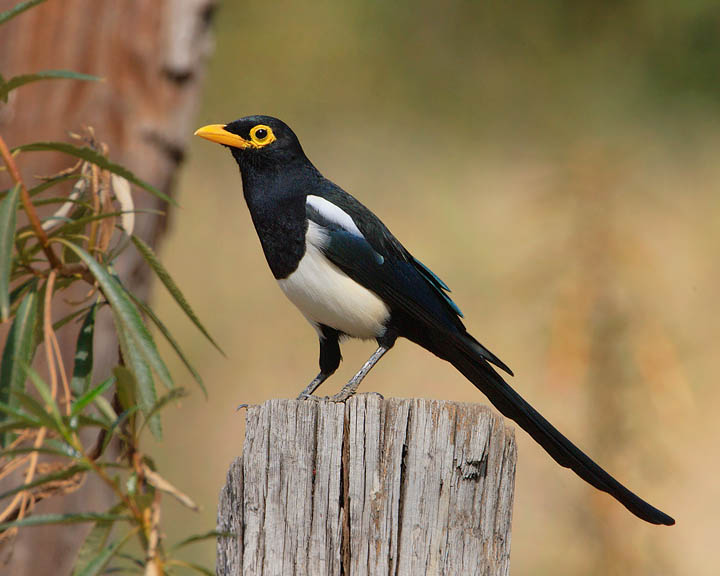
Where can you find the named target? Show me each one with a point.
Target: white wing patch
(326, 295)
(335, 214)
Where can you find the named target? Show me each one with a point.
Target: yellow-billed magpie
(350, 277)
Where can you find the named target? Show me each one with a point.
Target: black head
(256, 142)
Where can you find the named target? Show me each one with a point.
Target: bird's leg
(351, 387)
(330, 358)
(310, 388)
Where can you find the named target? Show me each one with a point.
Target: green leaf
(89, 396)
(20, 415)
(90, 421)
(105, 408)
(60, 475)
(94, 543)
(45, 519)
(17, 81)
(209, 535)
(61, 200)
(82, 369)
(50, 403)
(194, 567)
(174, 394)
(18, 9)
(120, 419)
(50, 446)
(8, 211)
(70, 317)
(19, 347)
(50, 182)
(126, 387)
(20, 290)
(35, 408)
(171, 340)
(144, 387)
(94, 158)
(16, 426)
(138, 344)
(150, 257)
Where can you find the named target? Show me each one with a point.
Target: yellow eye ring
(261, 135)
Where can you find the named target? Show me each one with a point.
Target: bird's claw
(306, 396)
(338, 398)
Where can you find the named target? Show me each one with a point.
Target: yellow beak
(217, 133)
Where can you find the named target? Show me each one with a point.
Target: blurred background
(556, 164)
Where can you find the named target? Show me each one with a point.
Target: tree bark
(151, 54)
(373, 486)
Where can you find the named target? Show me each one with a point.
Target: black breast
(279, 219)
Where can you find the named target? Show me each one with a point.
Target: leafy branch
(57, 430)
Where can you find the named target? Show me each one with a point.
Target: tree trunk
(151, 54)
(373, 486)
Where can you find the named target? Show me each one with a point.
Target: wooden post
(373, 486)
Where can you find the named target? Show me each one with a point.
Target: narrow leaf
(139, 343)
(54, 477)
(50, 403)
(17, 81)
(82, 369)
(91, 421)
(96, 158)
(174, 394)
(45, 519)
(35, 408)
(39, 450)
(94, 542)
(50, 182)
(19, 348)
(105, 408)
(79, 404)
(150, 257)
(20, 415)
(142, 380)
(70, 317)
(18, 9)
(210, 535)
(8, 211)
(50, 446)
(17, 426)
(194, 567)
(120, 419)
(171, 340)
(20, 290)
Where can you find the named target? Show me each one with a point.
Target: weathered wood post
(373, 486)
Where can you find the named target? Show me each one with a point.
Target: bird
(351, 277)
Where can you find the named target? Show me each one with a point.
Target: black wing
(369, 253)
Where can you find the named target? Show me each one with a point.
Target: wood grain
(373, 486)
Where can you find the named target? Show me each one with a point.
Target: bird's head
(256, 142)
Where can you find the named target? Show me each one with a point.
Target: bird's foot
(305, 396)
(307, 392)
(347, 392)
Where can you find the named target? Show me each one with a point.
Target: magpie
(350, 277)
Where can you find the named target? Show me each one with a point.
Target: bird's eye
(262, 135)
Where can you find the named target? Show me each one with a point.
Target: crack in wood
(395, 487)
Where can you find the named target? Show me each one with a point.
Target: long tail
(465, 355)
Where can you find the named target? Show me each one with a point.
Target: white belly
(326, 295)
